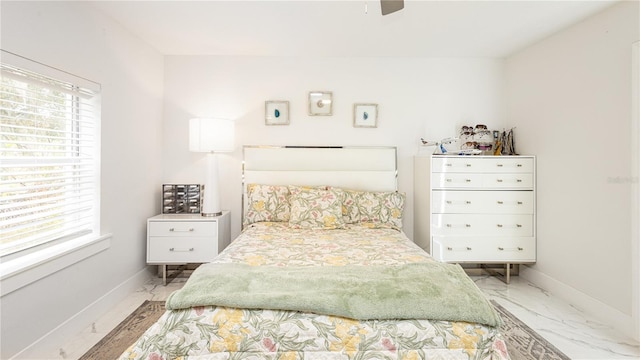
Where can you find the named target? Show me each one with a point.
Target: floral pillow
(350, 213)
(315, 208)
(267, 203)
(381, 209)
(374, 209)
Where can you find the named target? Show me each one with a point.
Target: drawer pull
(451, 180)
(519, 165)
(448, 164)
(181, 250)
(518, 248)
(449, 248)
(501, 180)
(502, 202)
(468, 165)
(467, 202)
(465, 225)
(174, 230)
(501, 226)
(499, 165)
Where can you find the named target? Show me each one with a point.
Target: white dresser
(185, 239)
(482, 209)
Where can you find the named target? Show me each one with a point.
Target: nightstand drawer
(183, 228)
(171, 250)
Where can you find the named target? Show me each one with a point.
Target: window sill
(20, 272)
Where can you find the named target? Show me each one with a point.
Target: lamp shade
(211, 135)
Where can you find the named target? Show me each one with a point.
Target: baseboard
(50, 343)
(618, 320)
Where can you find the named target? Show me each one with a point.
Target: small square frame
(365, 115)
(276, 112)
(320, 103)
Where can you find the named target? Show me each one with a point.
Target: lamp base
(211, 214)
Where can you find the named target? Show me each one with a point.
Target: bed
(322, 269)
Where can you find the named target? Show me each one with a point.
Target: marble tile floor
(567, 328)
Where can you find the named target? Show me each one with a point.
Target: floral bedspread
(227, 333)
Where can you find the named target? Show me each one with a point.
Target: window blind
(49, 157)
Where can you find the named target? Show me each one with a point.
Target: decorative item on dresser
(181, 198)
(185, 239)
(483, 210)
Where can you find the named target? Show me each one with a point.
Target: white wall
(417, 98)
(570, 98)
(71, 37)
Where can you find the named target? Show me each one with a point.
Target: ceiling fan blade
(390, 6)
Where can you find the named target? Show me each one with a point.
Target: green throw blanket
(432, 290)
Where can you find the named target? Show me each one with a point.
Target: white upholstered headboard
(350, 167)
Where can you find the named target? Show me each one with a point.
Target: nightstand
(185, 239)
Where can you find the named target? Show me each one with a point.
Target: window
(49, 155)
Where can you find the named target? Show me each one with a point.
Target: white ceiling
(346, 28)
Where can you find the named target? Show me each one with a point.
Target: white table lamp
(211, 136)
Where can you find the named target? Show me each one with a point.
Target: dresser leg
(504, 275)
(164, 274)
(507, 273)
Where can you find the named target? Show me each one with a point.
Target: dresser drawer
(456, 180)
(510, 164)
(489, 181)
(482, 224)
(482, 202)
(484, 249)
(183, 228)
(508, 181)
(494, 164)
(174, 250)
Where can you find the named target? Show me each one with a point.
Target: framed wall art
(320, 103)
(365, 115)
(276, 112)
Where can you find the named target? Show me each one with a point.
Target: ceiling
(346, 28)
